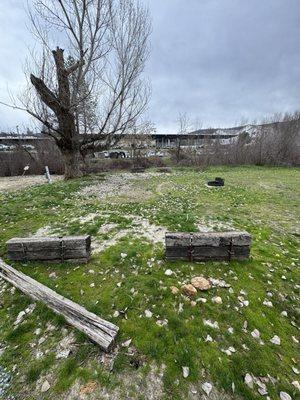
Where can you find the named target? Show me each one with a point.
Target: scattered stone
(174, 290)
(217, 300)
(123, 255)
(45, 386)
(116, 314)
(65, 346)
(284, 396)
(189, 290)
(209, 338)
(126, 343)
(295, 370)
(296, 384)
(219, 283)
(255, 334)
(162, 322)
(284, 314)
(185, 372)
(268, 303)
(201, 283)
(168, 272)
(211, 324)
(202, 299)
(193, 303)
(275, 340)
(207, 388)
(295, 340)
(249, 380)
(148, 314)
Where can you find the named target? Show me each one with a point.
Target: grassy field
(125, 282)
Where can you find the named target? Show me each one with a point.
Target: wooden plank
(178, 239)
(50, 248)
(97, 329)
(221, 239)
(207, 253)
(205, 246)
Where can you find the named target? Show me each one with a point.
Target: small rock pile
(199, 283)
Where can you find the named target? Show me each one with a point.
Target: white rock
(268, 303)
(92, 285)
(123, 255)
(116, 314)
(45, 386)
(63, 354)
(202, 300)
(275, 340)
(127, 343)
(295, 340)
(284, 396)
(255, 334)
(296, 384)
(185, 372)
(41, 340)
(148, 313)
(168, 272)
(217, 300)
(207, 388)
(249, 381)
(295, 370)
(162, 322)
(219, 283)
(284, 314)
(211, 324)
(230, 330)
(209, 338)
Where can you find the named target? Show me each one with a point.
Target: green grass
(263, 201)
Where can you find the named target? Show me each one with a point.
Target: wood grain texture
(208, 246)
(50, 248)
(97, 329)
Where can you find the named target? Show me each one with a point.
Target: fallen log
(97, 329)
(54, 249)
(208, 246)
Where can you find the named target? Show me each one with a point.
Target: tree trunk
(72, 161)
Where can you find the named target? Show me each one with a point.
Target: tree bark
(60, 104)
(72, 161)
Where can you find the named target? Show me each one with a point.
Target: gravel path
(22, 182)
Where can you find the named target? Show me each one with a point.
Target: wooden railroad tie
(208, 246)
(97, 329)
(52, 249)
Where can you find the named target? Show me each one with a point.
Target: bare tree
(109, 41)
(183, 128)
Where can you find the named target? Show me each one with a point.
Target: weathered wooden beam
(68, 248)
(97, 329)
(208, 246)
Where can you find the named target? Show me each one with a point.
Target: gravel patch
(12, 183)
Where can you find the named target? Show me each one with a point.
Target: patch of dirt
(117, 186)
(140, 227)
(133, 386)
(211, 224)
(12, 183)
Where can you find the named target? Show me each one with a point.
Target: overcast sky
(220, 61)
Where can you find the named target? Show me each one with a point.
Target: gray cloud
(218, 60)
